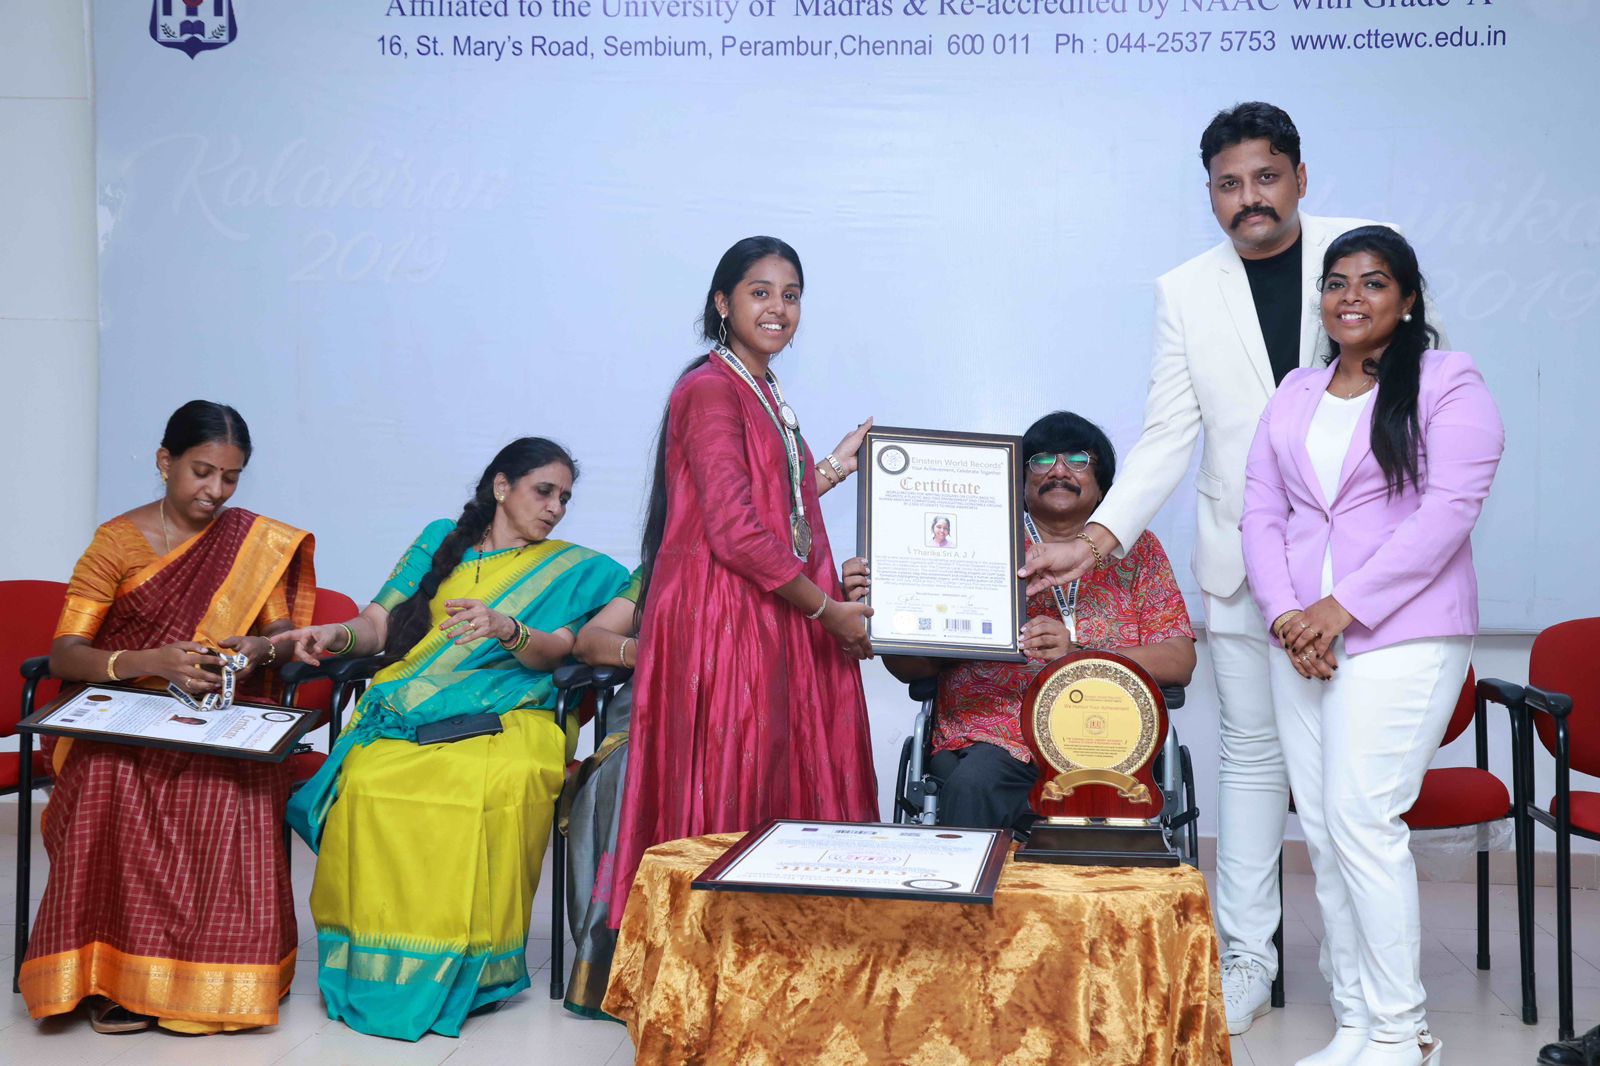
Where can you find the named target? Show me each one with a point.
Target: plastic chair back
(29, 611)
(1565, 659)
(1466, 707)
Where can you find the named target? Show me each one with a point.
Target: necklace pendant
(790, 419)
(800, 534)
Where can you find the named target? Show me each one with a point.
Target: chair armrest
(344, 671)
(1556, 704)
(1173, 695)
(36, 668)
(1495, 690)
(572, 675)
(297, 673)
(611, 676)
(923, 689)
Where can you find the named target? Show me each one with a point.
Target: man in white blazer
(1230, 323)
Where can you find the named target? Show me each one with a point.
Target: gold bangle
(622, 653)
(111, 666)
(838, 467)
(825, 472)
(1093, 547)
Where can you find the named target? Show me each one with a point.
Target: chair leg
(1564, 931)
(24, 851)
(1483, 910)
(558, 899)
(1277, 941)
(1187, 767)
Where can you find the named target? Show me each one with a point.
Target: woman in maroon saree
(169, 894)
(748, 702)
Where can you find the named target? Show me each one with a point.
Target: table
(1092, 965)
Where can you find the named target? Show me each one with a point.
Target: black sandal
(108, 1017)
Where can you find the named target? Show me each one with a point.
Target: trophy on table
(1094, 722)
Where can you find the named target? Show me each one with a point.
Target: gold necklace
(166, 538)
(1364, 387)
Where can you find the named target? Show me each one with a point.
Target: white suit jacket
(1211, 370)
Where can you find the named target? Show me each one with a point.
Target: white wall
(48, 295)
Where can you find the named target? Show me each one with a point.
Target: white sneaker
(1347, 1044)
(1426, 1050)
(1246, 993)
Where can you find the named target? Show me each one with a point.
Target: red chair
(310, 689)
(27, 625)
(1452, 797)
(1561, 703)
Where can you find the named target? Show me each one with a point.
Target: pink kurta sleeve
(1265, 524)
(708, 419)
(1463, 438)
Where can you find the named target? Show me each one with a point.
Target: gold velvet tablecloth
(1104, 967)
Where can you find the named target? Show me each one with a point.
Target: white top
(1333, 426)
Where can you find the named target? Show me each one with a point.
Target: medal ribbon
(791, 438)
(232, 663)
(1066, 602)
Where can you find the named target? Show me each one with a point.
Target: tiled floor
(1475, 1013)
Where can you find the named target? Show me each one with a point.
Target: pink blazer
(1401, 566)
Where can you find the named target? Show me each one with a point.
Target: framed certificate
(940, 524)
(865, 859)
(258, 731)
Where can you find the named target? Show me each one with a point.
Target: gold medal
(800, 532)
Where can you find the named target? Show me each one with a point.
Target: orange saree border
(166, 988)
(269, 549)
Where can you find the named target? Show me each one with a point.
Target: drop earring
(722, 332)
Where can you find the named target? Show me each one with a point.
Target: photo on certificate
(939, 523)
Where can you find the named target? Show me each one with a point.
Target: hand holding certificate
(939, 520)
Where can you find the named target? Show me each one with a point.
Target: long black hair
(409, 622)
(732, 268)
(205, 422)
(1395, 429)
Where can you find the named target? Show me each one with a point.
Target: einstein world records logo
(192, 28)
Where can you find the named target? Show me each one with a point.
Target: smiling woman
(158, 591)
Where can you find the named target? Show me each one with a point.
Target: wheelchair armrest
(1497, 691)
(36, 668)
(923, 689)
(611, 676)
(572, 675)
(1173, 695)
(1556, 704)
(344, 671)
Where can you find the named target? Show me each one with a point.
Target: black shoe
(1583, 1050)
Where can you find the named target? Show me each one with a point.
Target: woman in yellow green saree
(429, 854)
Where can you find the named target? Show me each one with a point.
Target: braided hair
(409, 622)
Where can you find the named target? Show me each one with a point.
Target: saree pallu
(429, 855)
(169, 889)
(589, 814)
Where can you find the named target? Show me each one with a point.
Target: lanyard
(789, 430)
(232, 663)
(1066, 602)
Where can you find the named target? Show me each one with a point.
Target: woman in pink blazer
(1363, 484)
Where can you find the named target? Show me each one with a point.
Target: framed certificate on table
(864, 859)
(257, 731)
(940, 524)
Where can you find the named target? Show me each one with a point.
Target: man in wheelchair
(1129, 605)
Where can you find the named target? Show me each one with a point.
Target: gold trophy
(1094, 722)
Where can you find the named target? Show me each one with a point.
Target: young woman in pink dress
(748, 701)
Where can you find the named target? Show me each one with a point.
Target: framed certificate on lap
(939, 523)
(257, 731)
(863, 859)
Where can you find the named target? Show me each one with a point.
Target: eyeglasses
(1044, 462)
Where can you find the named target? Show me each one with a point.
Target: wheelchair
(916, 797)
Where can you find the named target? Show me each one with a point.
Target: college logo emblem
(194, 27)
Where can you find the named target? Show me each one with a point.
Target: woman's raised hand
(845, 451)
(184, 664)
(857, 579)
(470, 620)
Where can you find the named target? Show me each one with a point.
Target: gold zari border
(164, 988)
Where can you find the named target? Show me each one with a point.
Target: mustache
(1265, 210)
(1065, 486)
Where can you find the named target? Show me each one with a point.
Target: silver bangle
(814, 615)
(838, 468)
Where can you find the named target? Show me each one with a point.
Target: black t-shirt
(1275, 287)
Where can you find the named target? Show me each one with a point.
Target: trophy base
(1099, 845)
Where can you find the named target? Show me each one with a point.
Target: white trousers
(1357, 747)
(1252, 786)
